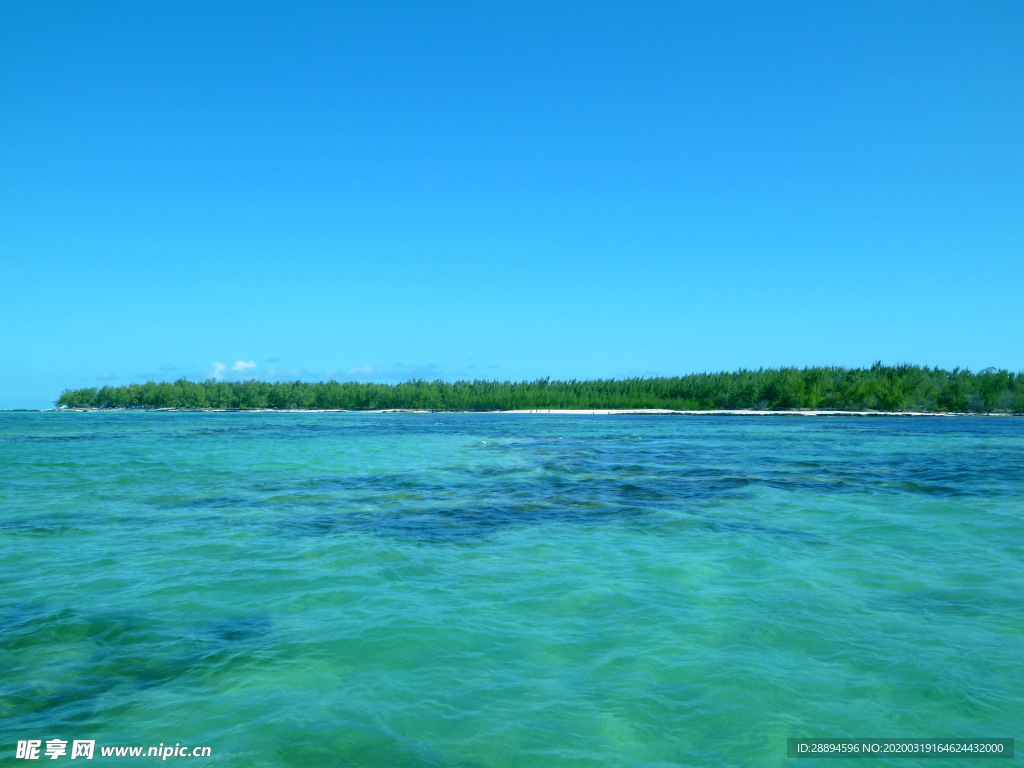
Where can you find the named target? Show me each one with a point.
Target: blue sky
(381, 191)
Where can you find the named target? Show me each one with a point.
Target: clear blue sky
(517, 190)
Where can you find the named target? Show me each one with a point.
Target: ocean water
(343, 589)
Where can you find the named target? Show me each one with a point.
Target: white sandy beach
(545, 411)
(653, 411)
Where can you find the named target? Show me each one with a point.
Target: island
(880, 388)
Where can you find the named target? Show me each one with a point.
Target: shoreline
(543, 411)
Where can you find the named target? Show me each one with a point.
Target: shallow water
(499, 590)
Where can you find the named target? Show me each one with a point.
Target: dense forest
(882, 388)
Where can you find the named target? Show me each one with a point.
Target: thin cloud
(397, 372)
(401, 372)
(363, 370)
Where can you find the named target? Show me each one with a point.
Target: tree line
(882, 388)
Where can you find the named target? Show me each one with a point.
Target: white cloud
(241, 365)
(402, 372)
(363, 370)
(218, 370)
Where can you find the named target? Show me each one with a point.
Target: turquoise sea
(345, 589)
